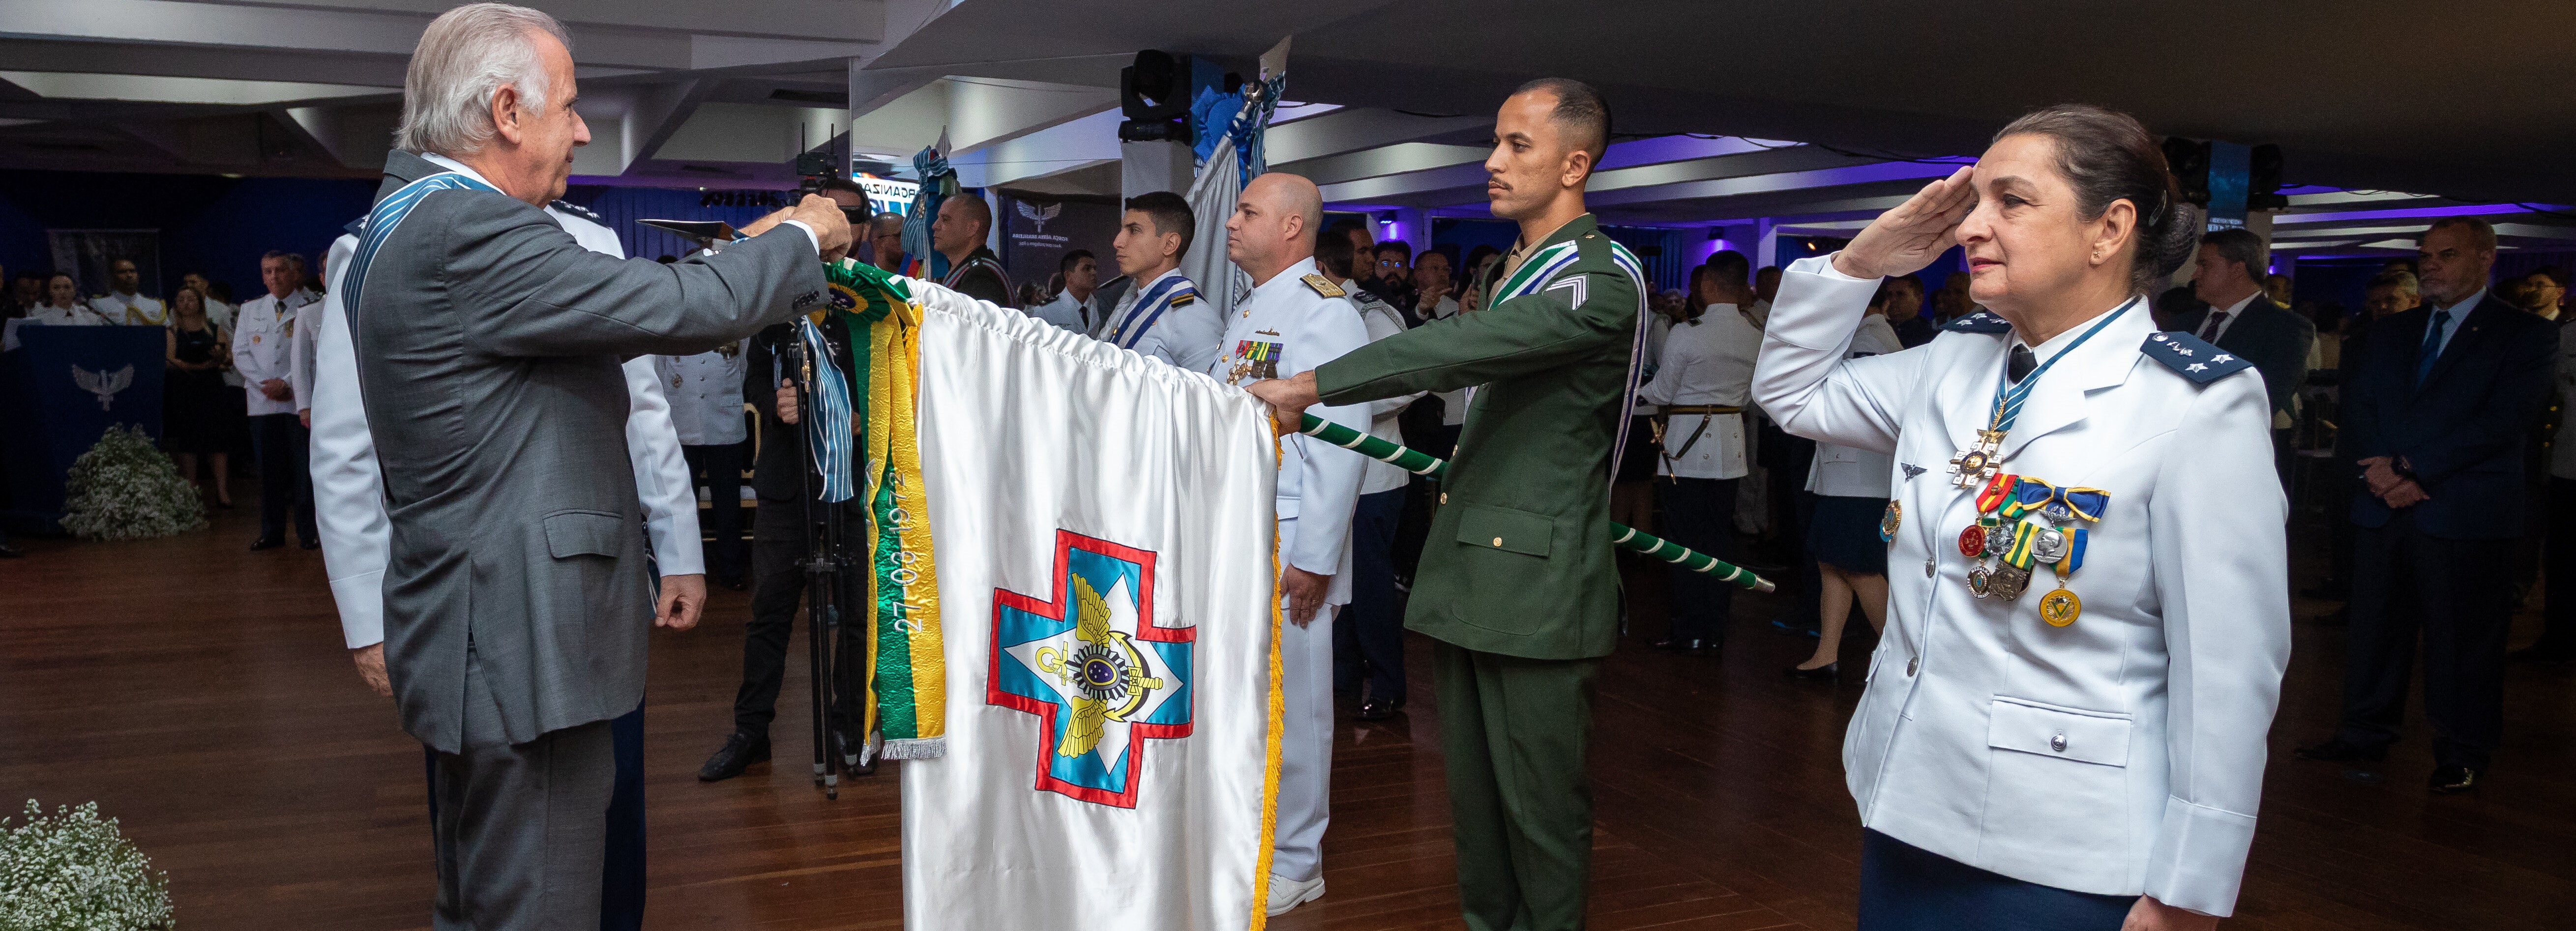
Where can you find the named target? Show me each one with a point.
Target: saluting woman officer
(2088, 597)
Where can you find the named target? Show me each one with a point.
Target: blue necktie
(2432, 346)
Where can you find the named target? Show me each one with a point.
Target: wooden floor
(199, 693)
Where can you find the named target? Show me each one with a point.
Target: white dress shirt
(264, 347)
(2227, 317)
(130, 309)
(1382, 321)
(1070, 314)
(1186, 336)
(1706, 362)
(348, 494)
(2121, 754)
(1319, 485)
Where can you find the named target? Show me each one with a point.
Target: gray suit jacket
(488, 346)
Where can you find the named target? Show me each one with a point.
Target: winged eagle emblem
(1105, 674)
(1040, 215)
(104, 384)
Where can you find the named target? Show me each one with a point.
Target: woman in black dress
(192, 396)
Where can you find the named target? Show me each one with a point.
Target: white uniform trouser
(1306, 750)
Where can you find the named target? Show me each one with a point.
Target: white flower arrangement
(77, 872)
(125, 489)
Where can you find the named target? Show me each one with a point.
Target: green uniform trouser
(1514, 732)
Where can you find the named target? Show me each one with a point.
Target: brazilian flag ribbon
(1624, 536)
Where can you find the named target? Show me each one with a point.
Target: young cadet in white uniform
(2089, 752)
(1161, 314)
(356, 534)
(1700, 385)
(1295, 320)
(706, 407)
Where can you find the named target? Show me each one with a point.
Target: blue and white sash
(379, 225)
(827, 427)
(1149, 308)
(1538, 273)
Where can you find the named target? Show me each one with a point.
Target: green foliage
(125, 489)
(77, 872)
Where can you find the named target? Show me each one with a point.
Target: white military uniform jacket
(1289, 325)
(2121, 754)
(264, 347)
(1069, 314)
(75, 315)
(131, 309)
(1186, 335)
(348, 495)
(1705, 362)
(706, 394)
(1850, 471)
(1385, 414)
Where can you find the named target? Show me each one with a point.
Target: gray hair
(463, 60)
(2401, 280)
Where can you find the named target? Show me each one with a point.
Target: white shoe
(1287, 893)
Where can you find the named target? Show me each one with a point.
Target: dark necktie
(2209, 330)
(2018, 364)
(2432, 345)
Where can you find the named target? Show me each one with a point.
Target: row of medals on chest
(2023, 522)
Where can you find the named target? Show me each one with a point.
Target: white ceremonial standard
(1105, 550)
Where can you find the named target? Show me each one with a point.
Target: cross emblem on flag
(1095, 670)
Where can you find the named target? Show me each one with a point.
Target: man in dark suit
(517, 600)
(2438, 412)
(2388, 294)
(2228, 279)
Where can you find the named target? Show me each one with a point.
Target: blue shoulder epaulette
(357, 227)
(578, 211)
(2191, 358)
(1979, 322)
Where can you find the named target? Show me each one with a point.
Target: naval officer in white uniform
(1161, 314)
(263, 352)
(124, 301)
(2079, 742)
(356, 534)
(1295, 320)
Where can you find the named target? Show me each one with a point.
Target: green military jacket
(1519, 560)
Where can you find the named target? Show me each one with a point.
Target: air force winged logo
(1093, 667)
(1040, 215)
(104, 384)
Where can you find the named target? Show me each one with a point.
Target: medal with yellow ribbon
(2060, 607)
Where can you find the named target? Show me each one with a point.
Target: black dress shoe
(2341, 751)
(308, 544)
(739, 752)
(1376, 709)
(1829, 672)
(10, 552)
(2452, 780)
(1687, 645)
(265, 544)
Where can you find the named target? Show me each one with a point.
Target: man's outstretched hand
(1288, 399)
(818, 213)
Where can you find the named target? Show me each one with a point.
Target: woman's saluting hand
(1916, 232)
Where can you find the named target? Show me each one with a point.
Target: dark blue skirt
(1908, 888)
(1844, 534)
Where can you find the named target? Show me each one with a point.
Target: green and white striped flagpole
(1624, 536)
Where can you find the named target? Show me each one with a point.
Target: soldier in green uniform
(1517, 583)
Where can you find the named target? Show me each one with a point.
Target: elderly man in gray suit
(488, 343)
